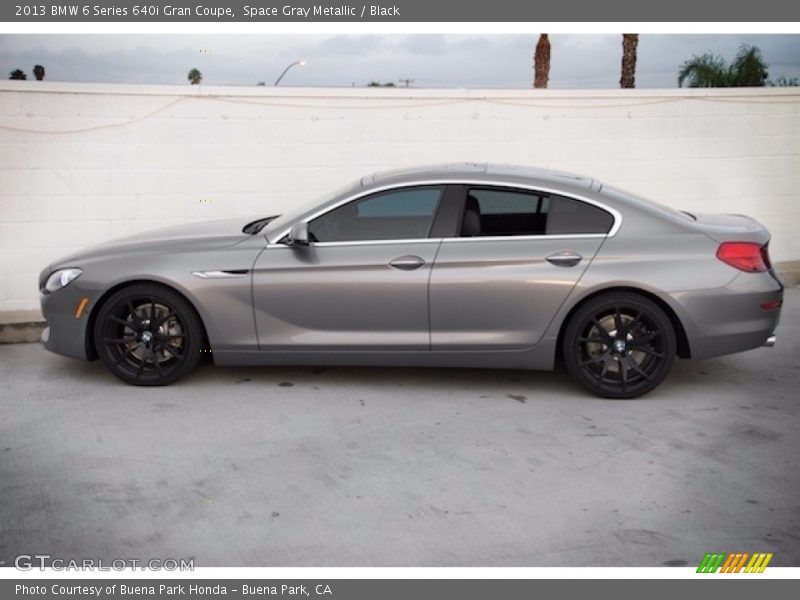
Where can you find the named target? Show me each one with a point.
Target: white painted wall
(83, 163)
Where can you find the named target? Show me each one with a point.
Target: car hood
(222, 228)
(203, 235)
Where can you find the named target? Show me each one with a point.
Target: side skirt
(540, 358)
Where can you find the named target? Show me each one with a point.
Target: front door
(360, 285)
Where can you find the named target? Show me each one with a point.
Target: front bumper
(66, 333)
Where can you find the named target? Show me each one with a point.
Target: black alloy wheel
(148, 335)
(619, 345)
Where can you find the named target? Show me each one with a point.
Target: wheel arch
(91, 350)
(683, 347)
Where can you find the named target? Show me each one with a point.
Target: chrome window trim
(493, 238)
(494, 183)
(436, 240)
(530, 238)
(425, 240)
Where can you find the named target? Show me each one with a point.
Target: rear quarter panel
(664, 258)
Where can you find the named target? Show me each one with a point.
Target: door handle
(565, 258)
(406, 263)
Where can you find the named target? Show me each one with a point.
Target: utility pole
(408, 82)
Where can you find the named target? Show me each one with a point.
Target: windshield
(292, 215)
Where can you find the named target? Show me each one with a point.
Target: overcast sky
(578, 61)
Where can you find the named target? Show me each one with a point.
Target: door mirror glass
(298, 235)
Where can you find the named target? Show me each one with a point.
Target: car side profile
(472, 265)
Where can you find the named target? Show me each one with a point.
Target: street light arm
(286, 70)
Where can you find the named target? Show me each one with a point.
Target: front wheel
(619, 345)
(147, 334)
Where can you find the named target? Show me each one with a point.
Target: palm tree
(748, 69)
(18, 74)
(541, 62)
(630, 42)
(195, 77)
(704, 71)
(38, 72)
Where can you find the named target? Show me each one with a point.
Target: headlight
(61, 278)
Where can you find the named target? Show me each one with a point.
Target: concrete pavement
(364, 467)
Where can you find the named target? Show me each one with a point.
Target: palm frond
(707, 70)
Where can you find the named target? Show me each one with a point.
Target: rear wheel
(146, 334)
(619, 345)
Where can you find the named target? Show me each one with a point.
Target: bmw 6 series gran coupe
(457, 266)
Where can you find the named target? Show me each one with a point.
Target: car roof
(481, 171)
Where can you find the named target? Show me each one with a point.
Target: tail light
(746, 256)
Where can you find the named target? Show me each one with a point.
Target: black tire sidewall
(603, 302)
(188, 316)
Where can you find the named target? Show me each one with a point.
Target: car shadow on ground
(687, 376)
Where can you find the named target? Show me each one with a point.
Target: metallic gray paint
(330, 297)
(500, 294)
(475, 302)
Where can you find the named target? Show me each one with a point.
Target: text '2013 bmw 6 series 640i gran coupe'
(457, 266)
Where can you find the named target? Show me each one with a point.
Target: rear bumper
(732, 319)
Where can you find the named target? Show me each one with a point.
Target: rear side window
(505, 212)
(566, 215)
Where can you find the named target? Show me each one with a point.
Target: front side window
(504, 212)
(397, 214)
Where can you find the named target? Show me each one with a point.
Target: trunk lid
(731, 228)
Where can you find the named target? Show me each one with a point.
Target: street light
(299, 63)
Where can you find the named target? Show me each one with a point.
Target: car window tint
(397, 214)
(498, 202)
(566, 215)
(501, 212)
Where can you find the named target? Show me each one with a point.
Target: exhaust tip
(770, 341)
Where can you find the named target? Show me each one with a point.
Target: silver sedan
(457, 266)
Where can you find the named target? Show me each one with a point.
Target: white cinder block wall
(84, 163)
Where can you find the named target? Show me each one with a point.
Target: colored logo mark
(722, 562)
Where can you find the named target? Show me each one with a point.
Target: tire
(619, 345)
(136, 352)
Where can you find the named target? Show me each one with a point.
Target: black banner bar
(706, 586)
(398, 11)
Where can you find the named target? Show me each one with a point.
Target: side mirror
(298, 235)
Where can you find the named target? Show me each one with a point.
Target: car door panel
(344, 297)
(359, 282)
(501, 294)
(517, 253)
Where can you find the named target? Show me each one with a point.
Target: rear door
(516, 255)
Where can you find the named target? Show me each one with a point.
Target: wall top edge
(126, 89)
